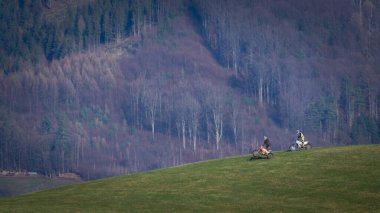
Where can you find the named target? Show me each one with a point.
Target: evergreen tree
(61, 148)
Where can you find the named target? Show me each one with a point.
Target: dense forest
(103, 88)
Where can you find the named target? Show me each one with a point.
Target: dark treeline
(112, 87)
(34, 30)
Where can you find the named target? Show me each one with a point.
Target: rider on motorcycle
(266, 143)
(301, 138)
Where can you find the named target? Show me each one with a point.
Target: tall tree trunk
(261, 91)
(183, 125)
(218, 123)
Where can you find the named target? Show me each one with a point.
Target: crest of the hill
(322, 179)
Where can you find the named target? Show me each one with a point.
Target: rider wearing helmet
(267, 144)
(300, 137)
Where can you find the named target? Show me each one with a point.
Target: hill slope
(342, 179)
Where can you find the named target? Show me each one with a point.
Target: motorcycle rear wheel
(308, 146)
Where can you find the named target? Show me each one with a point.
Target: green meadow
(328, 179)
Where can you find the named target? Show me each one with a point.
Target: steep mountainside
(102, 88)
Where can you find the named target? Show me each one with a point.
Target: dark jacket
(267, 143)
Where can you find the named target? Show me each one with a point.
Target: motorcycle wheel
(308, 146)
(255, 153)
(293, 147)
(269, 155)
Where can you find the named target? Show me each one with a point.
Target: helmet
(265, 137)
(298, 131)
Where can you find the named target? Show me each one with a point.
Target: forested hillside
(103, 88)
(315, 63)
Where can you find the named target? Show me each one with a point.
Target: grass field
(329, 179)
(11, 186)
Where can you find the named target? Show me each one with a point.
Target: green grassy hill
(330, 179)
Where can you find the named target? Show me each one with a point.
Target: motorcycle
(261, 152)
(297, 146)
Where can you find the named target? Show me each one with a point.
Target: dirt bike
(261, 152)
(297, 146)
